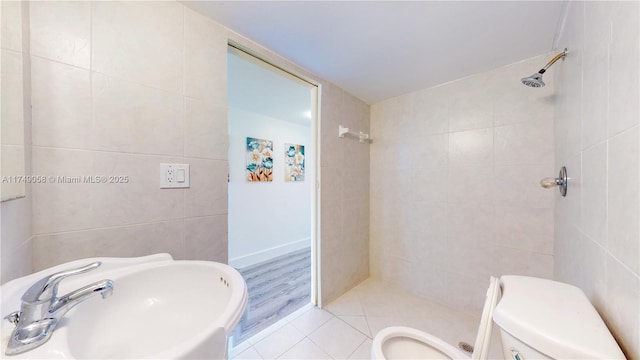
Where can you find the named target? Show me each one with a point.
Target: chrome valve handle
(560, 182)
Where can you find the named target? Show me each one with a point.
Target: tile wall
(344, 200)
(454, 185)
(119, 87)
(15, 215)
(597, 235)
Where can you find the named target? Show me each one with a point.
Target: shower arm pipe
(562, 55)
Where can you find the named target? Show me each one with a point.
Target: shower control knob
(560, 181)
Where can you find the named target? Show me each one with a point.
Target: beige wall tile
(11, 26)
(61, 31)
(205, 50)
(139, 41)
(429, 183)
(60, 206)
(596, 74)
(19, 263)
(524, 143)
(331, 212)
(471, 106)
(206, 130)
(431, 106)
(133, 118)
(623, 296)
(206, 238)
(524, 228)
(13, 158)
(355, 154)
(61, 105)
(520, 186)
(624, 73)
(600, 251)
(589, 269)
(12, 111)
(126, 241)
(208, 192)
(344, 243)
(432, 151)
(16, 214)
(470, 224)
(623, 239)
(470, 184)
(111, 202)
(459, 198)
(471, 147)
(593, 213)
(16, 238)
(331, 146)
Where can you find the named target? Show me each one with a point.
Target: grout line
(353, 327)
(127, 153)
(120, 226)
(357, 347)
(371, 334)
(291, 347)
(318, 345)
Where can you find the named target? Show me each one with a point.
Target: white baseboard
(264, 255)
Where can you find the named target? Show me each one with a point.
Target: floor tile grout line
(349, 325)
(357, 347)
(354, 328)
(291, 347)
(366, 320)
(320, 347)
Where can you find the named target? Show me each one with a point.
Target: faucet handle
(47, 288)
(13, 318)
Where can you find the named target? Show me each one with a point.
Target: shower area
(455, 192)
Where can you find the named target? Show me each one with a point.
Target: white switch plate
(174, 176)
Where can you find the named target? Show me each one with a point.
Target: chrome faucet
(41, 309)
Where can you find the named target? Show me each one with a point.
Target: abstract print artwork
(259, 160)
(293, 162)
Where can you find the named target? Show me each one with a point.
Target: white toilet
(538, 319)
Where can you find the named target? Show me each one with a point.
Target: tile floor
(346, 327)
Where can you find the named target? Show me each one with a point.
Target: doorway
(272, 189)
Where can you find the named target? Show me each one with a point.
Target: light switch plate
(174, 176)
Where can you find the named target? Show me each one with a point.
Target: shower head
(535, 80)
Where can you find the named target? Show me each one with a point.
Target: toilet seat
(400, 342)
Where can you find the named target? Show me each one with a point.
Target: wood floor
(277, 288)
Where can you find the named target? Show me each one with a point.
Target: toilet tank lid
(554, 318)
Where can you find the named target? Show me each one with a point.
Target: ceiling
(380, 49)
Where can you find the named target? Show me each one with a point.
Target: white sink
(160, 308)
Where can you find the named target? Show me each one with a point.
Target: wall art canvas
(293, 162)
(259, 160)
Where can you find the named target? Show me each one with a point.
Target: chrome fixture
(535, 80)
(560, 181)
(41, 309)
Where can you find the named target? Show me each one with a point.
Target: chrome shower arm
(562, 55)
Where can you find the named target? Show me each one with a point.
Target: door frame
(316, 91)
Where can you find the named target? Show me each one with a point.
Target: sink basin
(160, 308)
